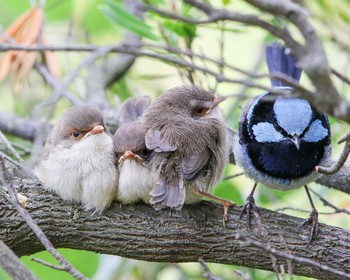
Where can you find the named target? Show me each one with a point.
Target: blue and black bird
(282, 139)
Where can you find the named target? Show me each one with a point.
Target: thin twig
(12, 161)
(207, 274)
(232, 176)
(247, 242)
(242, 275)
(289, 262)
(127, 50)
(340, 76)
(327, 203)
(34, 226)
(55, 84)
(10, 147)
(56, 267)
(13, 266)
(301, 210)
(337, 165)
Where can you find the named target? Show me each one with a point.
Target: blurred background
(99, 23)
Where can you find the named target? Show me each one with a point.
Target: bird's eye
(201, 111)
(76, 134)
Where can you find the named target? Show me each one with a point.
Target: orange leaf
(11, 31)
(5, 64)
(51, 61)
(30, 32)
(24, 62)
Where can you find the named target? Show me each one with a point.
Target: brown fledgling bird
(78, 161)
(187, 135)
(135, 177)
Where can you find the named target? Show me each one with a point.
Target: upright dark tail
(279, 62)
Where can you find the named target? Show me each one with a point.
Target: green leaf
(119, 15)
(184, 30)
(226, 2)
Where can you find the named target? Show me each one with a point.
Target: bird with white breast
(79, 162)
(135, 177)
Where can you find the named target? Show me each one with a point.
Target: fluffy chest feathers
(84, 172)
(135, 182)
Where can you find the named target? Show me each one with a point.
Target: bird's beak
(97, 129)
(215, 102)
(296, 141)
(129, 155)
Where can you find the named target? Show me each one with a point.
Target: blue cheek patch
(293, 115)
(265, 132)
(316, 132)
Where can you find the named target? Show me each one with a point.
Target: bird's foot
(249, 208)
(225, 202)
(313, 220)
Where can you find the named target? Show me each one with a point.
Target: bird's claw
(227, 204)
(313, 220)
(249, 208)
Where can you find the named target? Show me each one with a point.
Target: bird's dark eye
(200, 111)
(76, 134)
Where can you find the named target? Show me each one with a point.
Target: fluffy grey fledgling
(188, 136)
(135, 179)
(79, 162)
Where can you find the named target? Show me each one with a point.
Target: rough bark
(139, 232)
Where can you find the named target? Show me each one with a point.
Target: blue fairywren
(282, 139)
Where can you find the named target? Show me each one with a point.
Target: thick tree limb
(139, 232)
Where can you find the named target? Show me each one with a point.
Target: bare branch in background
(13, 265)
(207, 274)
(327, 203)
(10, 147)
(335, 167)
(312, 57)
(8, 183)
(100, 77)
(23, 127)
(248, 242)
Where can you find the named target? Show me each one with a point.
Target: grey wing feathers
(168, 193)
(192, 165)
(154, 141)
(133, 108)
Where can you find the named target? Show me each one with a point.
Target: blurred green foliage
(103, 22)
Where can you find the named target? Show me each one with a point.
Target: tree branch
(13, 199)
(13, 265)
(139, 232)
